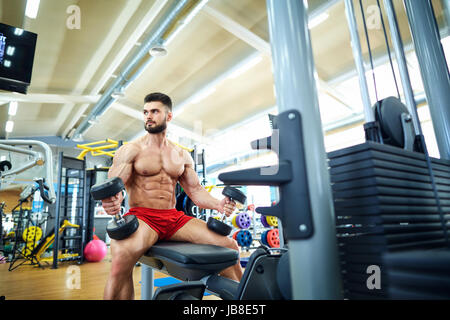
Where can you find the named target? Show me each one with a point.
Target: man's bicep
(189, 179)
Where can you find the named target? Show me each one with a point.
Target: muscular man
(150, 167)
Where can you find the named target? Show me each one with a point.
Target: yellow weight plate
(233, 221)
(272, 220)
(32, 234)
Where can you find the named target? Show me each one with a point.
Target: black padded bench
(184, 261)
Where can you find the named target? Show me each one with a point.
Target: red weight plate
(273, 238)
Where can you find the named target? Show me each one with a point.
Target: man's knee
(232, 244)
(123, 260)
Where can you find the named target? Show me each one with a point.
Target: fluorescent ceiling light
(12, 108)
(314, 22)
(7, 63)
(203, 94)
(118, 93)
(94, 120)
(18, 31)
(158, 51)
(10, 50)
(245, 67)
(9, 126)
(32, 8)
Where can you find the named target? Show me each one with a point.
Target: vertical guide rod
(359, 61)
(433, 68)
(402, 65)
(314, 263)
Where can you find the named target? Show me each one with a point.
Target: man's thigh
(137, 244)
(196, 231)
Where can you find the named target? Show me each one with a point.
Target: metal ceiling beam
(263, 46)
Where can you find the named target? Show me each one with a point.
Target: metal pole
(314, 263)
(433, 69)
(359, 61)
(402, 65)
(58, 212)
(147, 286)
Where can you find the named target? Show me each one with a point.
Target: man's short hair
(161, 97)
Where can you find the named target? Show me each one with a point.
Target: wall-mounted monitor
(17, 48)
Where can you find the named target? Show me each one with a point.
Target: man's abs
(156, 192)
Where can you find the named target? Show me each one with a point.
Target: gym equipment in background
(186, 205)
(35, 158)
(244, 238)
(241, 220)
(388, 201)
(395, 123)
(35, 254)
(95, 250)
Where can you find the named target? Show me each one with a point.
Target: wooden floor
(33, 283)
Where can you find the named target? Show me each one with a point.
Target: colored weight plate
(235, 234)
(244, 238)
(272, 221)
(233, 221)
(264, 221)
(264, 238)
(32, 234)
(243, 220)
(249, 238)
(273, 238)
(28, 249)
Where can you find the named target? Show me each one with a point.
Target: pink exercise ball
(95, 251)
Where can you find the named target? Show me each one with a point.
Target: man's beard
(156, 129)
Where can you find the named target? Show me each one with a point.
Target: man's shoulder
(130, 147)
(182, 152)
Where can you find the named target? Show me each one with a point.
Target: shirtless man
(150, 167)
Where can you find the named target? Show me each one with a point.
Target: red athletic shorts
(164, 221)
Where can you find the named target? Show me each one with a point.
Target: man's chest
(151, 162)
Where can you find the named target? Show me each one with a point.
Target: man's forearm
(203, 199)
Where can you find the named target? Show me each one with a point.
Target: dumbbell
(219, 226)
(119, 227)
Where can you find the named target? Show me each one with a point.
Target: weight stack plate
(384, 202)
(418, 274)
